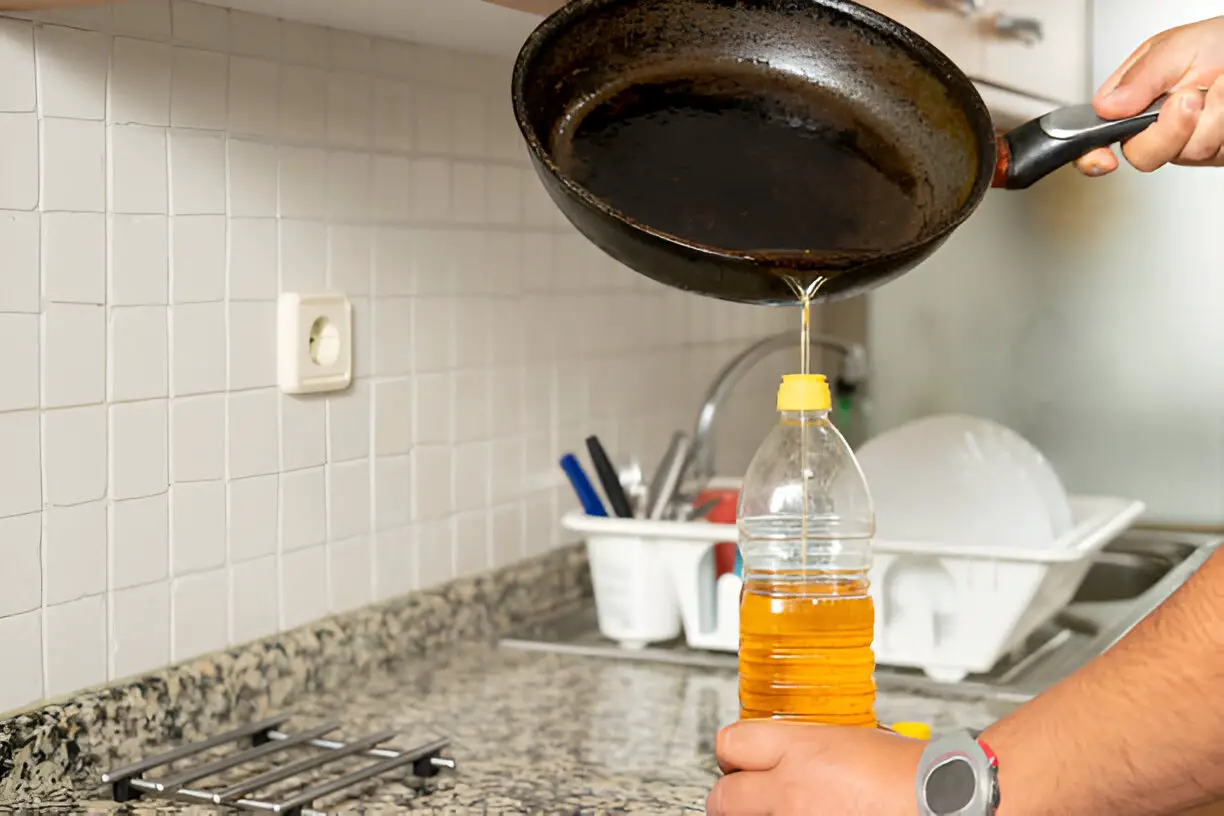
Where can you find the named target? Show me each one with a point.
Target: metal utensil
(634, 483)
(668, 476)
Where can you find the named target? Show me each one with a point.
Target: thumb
(1152, 72)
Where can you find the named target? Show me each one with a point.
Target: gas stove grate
(129, 782)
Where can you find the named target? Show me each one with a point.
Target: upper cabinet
(1028, 56)
(1041, 47)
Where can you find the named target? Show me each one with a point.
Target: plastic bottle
(806, 618)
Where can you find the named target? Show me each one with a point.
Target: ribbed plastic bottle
(805, 529)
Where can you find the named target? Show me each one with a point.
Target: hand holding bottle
(792, 769)
(1187, 63)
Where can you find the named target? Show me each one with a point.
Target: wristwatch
(958, 775)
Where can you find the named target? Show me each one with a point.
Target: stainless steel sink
(1129, 579)
(1131, 566)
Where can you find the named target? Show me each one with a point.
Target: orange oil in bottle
(805, 650)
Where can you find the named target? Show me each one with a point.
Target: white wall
(166, 171)
(1088, 314)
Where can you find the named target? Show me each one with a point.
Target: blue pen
(591, 504)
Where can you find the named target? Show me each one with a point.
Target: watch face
(951, 786)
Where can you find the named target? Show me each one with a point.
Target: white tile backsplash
(139, 349)
(255, 34)
(160, 185)
(74, 545)
(254, 598)
(197, 442)
(19, 161)
(303, 107)
(392, 416)
(303, 432)
(140, 629)
(253, 517)
(143, 18)
(22, 542)
(304, 595)
(139, 541)
(21, 639)
(197, 527)
(348, 423)
(74, 455)
(137, 161)
(348, 499)
(198, 258)
(253, 85)
(74, 257)
(73, 165)
(74, 355)
(197, 337)
(252, 178)
(139, 260)
(393, 492)
(303, 509)
(253, 440)
(19, 336)
(200, 25)
(140, 82)
(17, 50)
(74, 645)
(72, 70)
(139, 449)
(253, 260)
(200, 613)
(199, 86)
(350, 580)
(197, 173)
(303, 186)
(19, 246)
(303, 256)
(252, 345)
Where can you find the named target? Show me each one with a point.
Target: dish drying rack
(949, 610)
(130, 783)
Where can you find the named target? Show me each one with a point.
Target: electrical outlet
(315, 344)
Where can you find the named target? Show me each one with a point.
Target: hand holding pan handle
(1038, 148)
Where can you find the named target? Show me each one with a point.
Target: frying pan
(742, 148)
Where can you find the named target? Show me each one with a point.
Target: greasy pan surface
(721, 146)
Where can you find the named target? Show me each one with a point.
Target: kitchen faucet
(853, 375)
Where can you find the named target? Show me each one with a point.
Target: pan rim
(936, 62)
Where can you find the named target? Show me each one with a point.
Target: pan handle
(1037, 148)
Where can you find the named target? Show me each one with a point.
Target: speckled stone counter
(52, 753)
(532, 732)
(547, 733)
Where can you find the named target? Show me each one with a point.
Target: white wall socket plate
(314, 343)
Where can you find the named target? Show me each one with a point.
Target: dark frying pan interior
(722, 146)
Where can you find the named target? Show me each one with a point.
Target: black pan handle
(1037, 148)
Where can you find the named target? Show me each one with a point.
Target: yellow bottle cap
(913, 730)
(804, 392)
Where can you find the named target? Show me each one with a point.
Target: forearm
(1138, 731)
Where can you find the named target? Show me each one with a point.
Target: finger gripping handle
(1038, 148)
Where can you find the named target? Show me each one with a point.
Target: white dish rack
(947, 610)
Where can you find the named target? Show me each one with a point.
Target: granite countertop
(537, 732)
(532, 732)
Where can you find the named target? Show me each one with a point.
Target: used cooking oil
(805, 528)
